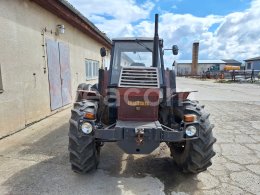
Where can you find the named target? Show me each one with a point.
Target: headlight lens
(190, 131)
(86, 128)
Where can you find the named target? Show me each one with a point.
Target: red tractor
(135, 104)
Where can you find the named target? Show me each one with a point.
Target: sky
(225, 29)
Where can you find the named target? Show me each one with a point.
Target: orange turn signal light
(89, 115)
(190, 118)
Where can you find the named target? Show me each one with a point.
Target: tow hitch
(139, 135)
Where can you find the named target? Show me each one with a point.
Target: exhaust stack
(156, 42)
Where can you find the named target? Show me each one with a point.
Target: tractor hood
(138, 94)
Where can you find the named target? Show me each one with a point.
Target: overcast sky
(225, 28)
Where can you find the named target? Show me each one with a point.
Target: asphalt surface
(35, 160)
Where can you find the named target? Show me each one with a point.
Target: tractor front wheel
(84, 152)
(194, 156)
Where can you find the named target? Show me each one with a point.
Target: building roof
(201, 62)
(231, 61)
(252, 59)
(67, 12)
(133, 38)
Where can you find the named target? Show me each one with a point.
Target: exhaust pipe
(156, 42)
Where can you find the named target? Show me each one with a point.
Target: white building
(47, 49)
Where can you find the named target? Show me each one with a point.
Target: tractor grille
(139, 77)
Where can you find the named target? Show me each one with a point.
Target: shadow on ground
(53, 175)
(162, 168)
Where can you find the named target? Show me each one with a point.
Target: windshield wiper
(140, 43)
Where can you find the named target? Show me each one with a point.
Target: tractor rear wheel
(194, 156)
(84, 152)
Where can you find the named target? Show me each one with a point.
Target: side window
(1, 81)
(249, 65)
(92, 67)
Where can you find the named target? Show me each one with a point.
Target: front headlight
(190, 131)
(86, 128)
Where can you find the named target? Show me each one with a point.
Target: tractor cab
(134, 54)
(136, 82)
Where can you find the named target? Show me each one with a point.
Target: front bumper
(142, 137)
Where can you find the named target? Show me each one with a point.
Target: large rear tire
(84, 152)
(194, 156)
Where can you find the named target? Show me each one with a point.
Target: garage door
(59, 74)
(65, 73)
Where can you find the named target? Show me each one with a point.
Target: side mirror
(175, 50)
(103, 52)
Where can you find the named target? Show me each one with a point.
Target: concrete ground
(35, 160)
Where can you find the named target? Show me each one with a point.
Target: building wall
(185, 69)
(26, 88)
(221, 66)
(203, 67)
(254, 65)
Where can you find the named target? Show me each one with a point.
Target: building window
(1, 81)
(92, 67)
(249, 65)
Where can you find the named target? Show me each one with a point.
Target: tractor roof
(134, 38)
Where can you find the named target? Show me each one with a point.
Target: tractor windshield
(131, 54)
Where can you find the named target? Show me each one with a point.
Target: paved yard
(35, 160)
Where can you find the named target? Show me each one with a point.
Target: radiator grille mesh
(139, 77)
